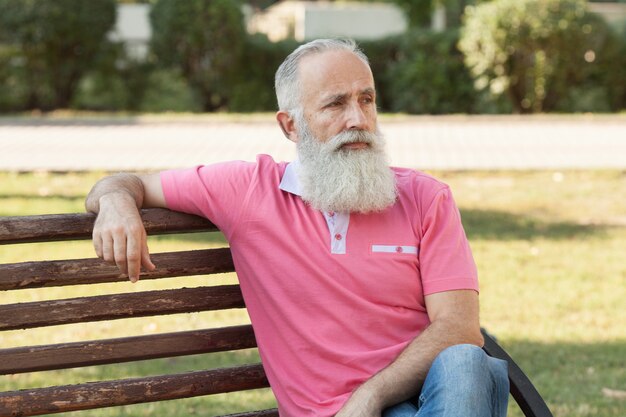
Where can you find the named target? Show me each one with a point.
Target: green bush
(205, 40)
(115, 82)
(254, 85)
(614, 62)
(600, 84)
(167, 90)
(14, 91)
(536, 52)
(382, 53)
(47, 46)
(429, 75)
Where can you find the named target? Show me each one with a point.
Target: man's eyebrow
(334, 97)
(342, 96)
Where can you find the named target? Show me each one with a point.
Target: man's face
(338, 94)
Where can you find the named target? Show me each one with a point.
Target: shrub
(115, 82)
(599, 82)
(382, 53)
(254, 86)
(167, 90)
(613, 62)
(429, 75)
(205, 40)
(531, 50)
(48, 45)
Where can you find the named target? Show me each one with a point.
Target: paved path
(448, 142)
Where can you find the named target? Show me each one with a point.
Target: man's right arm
(118, 234)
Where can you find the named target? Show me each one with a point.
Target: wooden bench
(92, 395)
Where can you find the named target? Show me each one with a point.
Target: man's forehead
(331, 72)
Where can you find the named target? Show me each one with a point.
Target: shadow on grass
(575, 379)
(501, 225)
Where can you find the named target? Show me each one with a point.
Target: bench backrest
(33, 315)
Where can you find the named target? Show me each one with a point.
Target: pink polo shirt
(333, 297)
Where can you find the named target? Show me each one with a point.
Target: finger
(133, 258)
(145, 259)
(145, 255)
(97, 244)
(107, 249)
(119, 249)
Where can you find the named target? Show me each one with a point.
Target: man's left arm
(454, 320)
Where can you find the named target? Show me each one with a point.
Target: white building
(614, 13)
(133, 28)
(306, 20)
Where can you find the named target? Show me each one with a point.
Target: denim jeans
(462, 382)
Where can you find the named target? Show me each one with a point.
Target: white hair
(286, 81)
(341, 180)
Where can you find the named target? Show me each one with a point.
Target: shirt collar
(290, 182)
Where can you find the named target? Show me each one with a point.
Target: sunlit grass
(550, 250)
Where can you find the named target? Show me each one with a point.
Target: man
(358, 278)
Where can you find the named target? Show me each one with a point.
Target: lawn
(550, 251)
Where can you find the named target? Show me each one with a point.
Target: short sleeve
(216, 191)
(446, 261)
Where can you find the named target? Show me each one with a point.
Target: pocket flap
(411, 250)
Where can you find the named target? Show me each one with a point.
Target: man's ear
(287, 125)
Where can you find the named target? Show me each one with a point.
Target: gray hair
(286, 81)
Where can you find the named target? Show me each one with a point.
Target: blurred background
(518, 104)
(428, 56)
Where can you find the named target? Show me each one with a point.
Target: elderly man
(358, 277)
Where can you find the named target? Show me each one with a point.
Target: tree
(49, 44)
(532, 50)
(205, 39)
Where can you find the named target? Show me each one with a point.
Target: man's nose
(356, 118)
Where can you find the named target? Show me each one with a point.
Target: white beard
(345, 180)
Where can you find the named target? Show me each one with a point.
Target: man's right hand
(119, 235)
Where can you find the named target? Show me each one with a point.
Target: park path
(424, 142)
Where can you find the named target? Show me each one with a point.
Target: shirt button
(399, 249)
(338, 236)
(331, 213)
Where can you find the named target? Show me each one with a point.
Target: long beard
(343, 180)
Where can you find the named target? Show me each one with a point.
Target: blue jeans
(462, 382)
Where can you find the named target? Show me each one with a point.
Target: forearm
(454, 320)
(404, 377)
(127, 187)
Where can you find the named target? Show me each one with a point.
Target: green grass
(550, 251)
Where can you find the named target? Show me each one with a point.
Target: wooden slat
(118, 306)
(100, 352)
(92, 271)
(54, 227)
(522, 390)
(130, 391)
